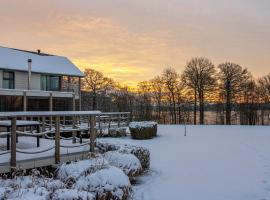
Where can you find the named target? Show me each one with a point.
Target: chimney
(38, 51)
(29, 73)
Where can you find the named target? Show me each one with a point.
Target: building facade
(34, 81)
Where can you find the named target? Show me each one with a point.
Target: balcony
(38, 93)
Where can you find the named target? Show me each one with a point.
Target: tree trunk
(195, 107)
(262, 115)
(228, 107)
(201, 98)
(94, 105)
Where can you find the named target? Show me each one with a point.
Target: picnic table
(19, 123)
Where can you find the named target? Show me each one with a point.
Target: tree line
(228, 91)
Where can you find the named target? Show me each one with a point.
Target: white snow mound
(110, 180)
(129, 163)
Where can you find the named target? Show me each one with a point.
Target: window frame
(46, 82)
(10, 79)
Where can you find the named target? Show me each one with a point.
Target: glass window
(50, 83)
(8, 80)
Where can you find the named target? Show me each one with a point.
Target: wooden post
(73, 127)
(80, 98)
(99, 125)
(24, 101)
(51, 108)
(119, 120)
(73, 102)
(57, 140)
(109, 126)
(92, 122)
(8, 139)
(43, 124)
(13, 143)
(64, 120)
(128, 119)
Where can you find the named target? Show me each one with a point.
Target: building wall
(21, 81)
(35, 82)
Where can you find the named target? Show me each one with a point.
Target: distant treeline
(201, 94)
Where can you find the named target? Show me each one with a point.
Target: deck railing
(51, 124)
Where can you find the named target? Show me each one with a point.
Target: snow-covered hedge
(84, 167)
(72, 194)
(117, 132)
(29, 188)
(143, 130)
(129, 163)
(141, 153)
(142, 124)
(109, 183)
(101, 177)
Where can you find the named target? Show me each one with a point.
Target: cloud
(133, 40)
(106, 46)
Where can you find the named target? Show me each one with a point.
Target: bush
(117, 132)
(108, 183)
(143, 130)
(141, 153)
(129, 163)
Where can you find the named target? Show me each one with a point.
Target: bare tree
(264, 93)
(190, 78)
(157, 88)
(144, 100)
(199, 75)
(96, 83)
(171, 82)
(231, 76)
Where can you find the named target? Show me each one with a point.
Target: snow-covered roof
(15, 59)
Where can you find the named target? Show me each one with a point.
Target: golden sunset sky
(134, 40)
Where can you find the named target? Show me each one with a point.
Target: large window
(50, 83)
(8, 80)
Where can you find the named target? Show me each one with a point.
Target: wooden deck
(54, 149)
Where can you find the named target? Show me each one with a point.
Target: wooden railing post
(57, 140)
(119, 120)
(92, 122)
(128, 119)
(43, 124)
(99, 125)
(73, 127)
(109, 126)
(13, 143)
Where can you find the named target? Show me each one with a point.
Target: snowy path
(211, 163)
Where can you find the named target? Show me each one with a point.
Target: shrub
(141, 153)
(143, 130)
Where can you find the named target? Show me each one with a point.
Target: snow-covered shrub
(142, 124)
(108, 183)
(143, 130)
(117, 132)
(37, 193)
(72, 194)
(5, 192)
(125, 161)
(35, 187)
(76, 169)
(141, 153)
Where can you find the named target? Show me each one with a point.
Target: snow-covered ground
(210, 163)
